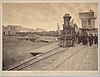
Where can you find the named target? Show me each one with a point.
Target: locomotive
(67, 35)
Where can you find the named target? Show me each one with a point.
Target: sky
(44, 15)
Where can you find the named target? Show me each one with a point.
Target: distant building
(9, 30)
(39, 30)
(88, 22)
(4, 29)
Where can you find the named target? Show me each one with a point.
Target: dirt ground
(14, 50)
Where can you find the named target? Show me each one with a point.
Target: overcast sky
(44, 15)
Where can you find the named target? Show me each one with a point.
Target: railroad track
(61, 59)
(37, 58)
(64, 57)
(55, 67)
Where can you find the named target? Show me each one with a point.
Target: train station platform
(86, 59)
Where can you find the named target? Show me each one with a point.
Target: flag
(72, 23)
(58, 29)
(76, 28)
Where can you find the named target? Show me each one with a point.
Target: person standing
(90, 39)
(96, 39)
(84, 39)
(78, 38)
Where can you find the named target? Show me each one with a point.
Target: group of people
(86, 39)
(80, 38)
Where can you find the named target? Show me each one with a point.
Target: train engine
(67, 36)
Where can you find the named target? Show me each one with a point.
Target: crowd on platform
(87, 39)
(79, 38)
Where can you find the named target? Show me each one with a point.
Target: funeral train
(67, 36)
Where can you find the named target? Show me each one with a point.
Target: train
(67, 36)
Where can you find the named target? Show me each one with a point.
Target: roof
(86, 15)
(88, 28)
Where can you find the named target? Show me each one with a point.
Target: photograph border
(48, 73)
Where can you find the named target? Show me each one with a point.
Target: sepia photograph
(50, 36)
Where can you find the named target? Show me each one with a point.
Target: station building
(88, 22)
